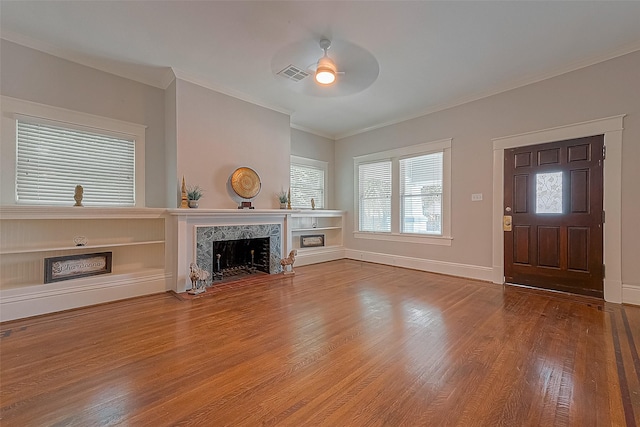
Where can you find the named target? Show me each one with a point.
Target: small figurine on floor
(198, 278)
(287, 263)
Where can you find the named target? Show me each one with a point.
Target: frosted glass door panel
(549, 193)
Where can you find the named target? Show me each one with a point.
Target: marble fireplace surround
(193, 231)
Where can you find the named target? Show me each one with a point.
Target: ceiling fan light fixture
(326, 71)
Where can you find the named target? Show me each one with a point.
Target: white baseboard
(443, 267)
(317, 255)
(613, 291)
(631, 294)
(34, 300)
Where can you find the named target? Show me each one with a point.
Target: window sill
(405, 238)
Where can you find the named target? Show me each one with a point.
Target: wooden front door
(553, 215)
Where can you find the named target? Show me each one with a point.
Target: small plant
(282, 196)
(194, 193)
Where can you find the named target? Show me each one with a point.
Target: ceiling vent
(294, 73)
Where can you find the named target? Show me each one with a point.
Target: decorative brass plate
(245, 182)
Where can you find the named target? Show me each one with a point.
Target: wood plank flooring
(343, 343)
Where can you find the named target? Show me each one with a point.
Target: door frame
(611, 127)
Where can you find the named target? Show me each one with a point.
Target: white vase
(193, 204)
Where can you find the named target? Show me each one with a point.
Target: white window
(421, 194)
(52, 160)
(404, 194)
(51, 150)
(374, 194)
(308, 181)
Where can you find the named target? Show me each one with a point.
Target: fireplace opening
(233, 258)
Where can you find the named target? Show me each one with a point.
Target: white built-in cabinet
(325, 223)
(151, 250)
(28, 235)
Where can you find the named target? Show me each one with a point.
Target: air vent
(294, 73)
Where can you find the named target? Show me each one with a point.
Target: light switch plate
(476, 197)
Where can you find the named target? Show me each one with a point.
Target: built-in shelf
(316, 228)
(150, 249)
(78, 248)
(30, 234)
(319, 248)
(327, 223)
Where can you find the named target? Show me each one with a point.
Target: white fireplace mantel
(183, 224)
(232, 212)
(182, 233)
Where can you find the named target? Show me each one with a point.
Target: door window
(549, 193)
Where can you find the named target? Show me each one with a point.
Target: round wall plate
(245, 182)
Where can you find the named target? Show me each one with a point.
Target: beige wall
(171, 147)
(205, 135)
(191, 130)
(310, 146)
(602, 90)
(217, 134)
(39, 77)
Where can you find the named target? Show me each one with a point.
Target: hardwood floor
(343, 343)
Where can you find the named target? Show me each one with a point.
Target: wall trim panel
(42, 299)
(432, 266)
(319, 255)
(631, 294)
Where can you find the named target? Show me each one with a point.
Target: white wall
(603, 90)
(173, 195)
(191, 130)
(217, 134)
(310, 146)
(205, 135)
(35, 76)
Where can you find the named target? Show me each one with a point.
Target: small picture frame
(311, 240)
(75, 266)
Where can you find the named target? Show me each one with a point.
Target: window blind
(307, 182)
(421, 194)
(375, 196)
(52, 160)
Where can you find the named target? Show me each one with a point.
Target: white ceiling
(431, 55)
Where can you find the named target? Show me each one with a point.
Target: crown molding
(312, 131)
(172, 73)
(168, 78)
(94, 63)
(515, 84)
(191, 78)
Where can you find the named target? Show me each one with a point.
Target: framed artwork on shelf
(311, 240)
(76, 266)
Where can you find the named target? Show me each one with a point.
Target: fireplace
(263, 239)
(234, 258)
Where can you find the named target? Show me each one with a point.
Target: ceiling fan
(348, 70)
